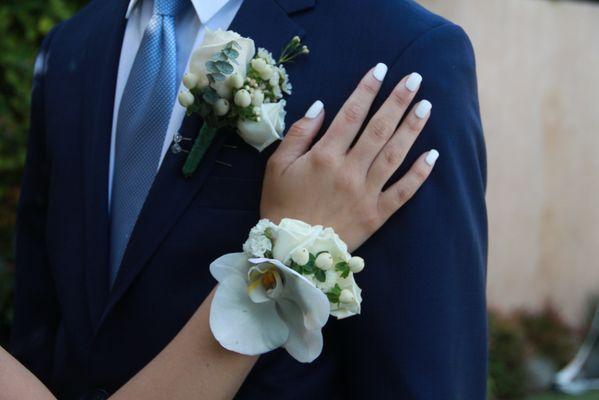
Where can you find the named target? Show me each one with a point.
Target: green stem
(200, 145)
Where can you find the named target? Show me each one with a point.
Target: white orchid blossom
(261, 304)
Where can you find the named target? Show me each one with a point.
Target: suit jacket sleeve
(36, 311)
(422, 333)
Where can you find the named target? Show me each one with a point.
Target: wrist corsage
(281, 290)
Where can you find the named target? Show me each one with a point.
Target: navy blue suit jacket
(422, 332)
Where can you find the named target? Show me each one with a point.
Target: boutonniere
(229, 84)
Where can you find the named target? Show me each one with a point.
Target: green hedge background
(23, 24)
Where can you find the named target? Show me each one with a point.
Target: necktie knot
(170, 7)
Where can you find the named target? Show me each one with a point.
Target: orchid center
(265, 283)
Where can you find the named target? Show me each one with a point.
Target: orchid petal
(230, 264)
(242, 326)
(302, 344)
(297, 288)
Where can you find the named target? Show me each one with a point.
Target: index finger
(350, 118)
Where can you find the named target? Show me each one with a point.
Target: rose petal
(302, 344)
(241, 325)
(288, 240)
(230, 264)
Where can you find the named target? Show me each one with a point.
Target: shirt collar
(205, 9)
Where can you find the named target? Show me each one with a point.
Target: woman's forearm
(16, 382)
(193, 366)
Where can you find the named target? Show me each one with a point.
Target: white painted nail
(314, 109)
(380, 71)
(431, 157)
(414, 81)
(423, 108)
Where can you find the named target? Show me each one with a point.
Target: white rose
(330, 242)
(291, 235)
(215, 41)
(260, 134)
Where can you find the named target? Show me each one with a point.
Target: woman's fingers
(350, 118)
(401, 191)
(384, 123)
(394, 151)
(299, 137)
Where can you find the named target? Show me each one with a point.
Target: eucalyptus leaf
(231, 53)
(233, 43)
(219, 77)
(211, 67)
(210, 96)
(220, 56)
(224, 67)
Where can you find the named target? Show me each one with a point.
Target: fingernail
(431, 157)
(423, 108)
(414, 81)
(380, 71)
(314, 109)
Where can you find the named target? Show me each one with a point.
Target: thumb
(299, 137)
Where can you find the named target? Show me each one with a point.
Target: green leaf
(343, 267)
(334, 294)
(320, 275)
(224, 67)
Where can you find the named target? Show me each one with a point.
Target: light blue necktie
(143, 119)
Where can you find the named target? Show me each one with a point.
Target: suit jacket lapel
(171, 193)
(103, 47)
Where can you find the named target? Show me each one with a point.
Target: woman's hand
(338, 185)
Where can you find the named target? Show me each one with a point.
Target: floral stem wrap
(281, 290)
(200, 145)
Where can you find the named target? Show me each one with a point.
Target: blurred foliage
(550, 335)
(23, 25)
(507, 350)
(522, 335)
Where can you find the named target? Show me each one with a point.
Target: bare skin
(345, 193)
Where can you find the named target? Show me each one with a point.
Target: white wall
(538, 67)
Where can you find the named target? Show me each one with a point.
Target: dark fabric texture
(422, 332)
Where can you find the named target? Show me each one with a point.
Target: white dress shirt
(190, 28)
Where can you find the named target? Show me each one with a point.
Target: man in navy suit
(85, 324)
